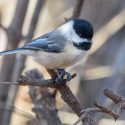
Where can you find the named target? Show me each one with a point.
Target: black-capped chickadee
(60, 48)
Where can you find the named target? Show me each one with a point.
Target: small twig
(116, 98)
(102, 109)
(106, 110)
(77, 8)
(119, 100)
(34, 20)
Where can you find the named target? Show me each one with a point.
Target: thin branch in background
(34, 20)
(18, 111)
(77, 8)
(19, 65)
(14, 35)
(106, 110)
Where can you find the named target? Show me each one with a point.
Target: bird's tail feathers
(18, 51)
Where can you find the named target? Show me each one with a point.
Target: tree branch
(84, 115)
(66, 93)
(64, 90)
(69, 98)
(116, 98)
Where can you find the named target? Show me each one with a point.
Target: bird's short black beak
(87, 45)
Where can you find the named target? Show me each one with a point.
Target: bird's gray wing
(51, 42)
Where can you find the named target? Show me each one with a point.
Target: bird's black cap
(83, 28)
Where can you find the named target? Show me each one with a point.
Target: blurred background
(103, 67)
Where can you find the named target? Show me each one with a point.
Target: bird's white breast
(59, 60)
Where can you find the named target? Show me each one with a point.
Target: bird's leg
(61, 74)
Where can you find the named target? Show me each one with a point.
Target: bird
(63, 47)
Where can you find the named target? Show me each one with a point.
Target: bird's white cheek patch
(68, 32)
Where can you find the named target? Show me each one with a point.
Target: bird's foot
(61, 76)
